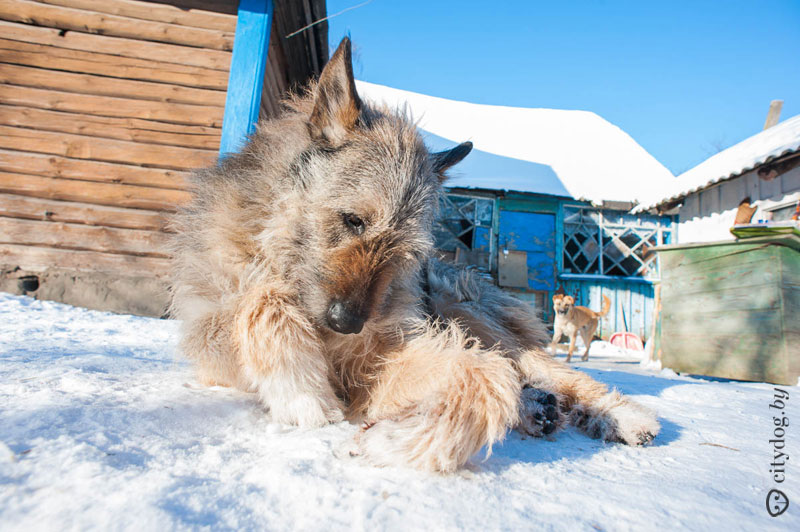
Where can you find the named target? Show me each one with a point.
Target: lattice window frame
(472, 218)
(601, 241)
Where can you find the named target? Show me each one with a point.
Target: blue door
(535, 234)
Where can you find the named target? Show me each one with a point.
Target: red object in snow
(626, 340)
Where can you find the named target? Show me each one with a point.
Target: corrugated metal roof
(763, 147)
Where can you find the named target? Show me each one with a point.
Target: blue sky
(684, 79)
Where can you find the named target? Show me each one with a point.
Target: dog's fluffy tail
(606, 307)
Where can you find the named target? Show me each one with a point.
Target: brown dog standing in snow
(572, 319)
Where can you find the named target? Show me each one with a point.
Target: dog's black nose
(342, 318)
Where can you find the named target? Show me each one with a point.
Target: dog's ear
(557, 297)
(443, 160)
(337, 106)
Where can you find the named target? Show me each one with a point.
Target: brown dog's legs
(438, 400)
(587, 333)
(556, 337)
(284, 360)
(572, 339)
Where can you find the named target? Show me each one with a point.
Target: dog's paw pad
(538, 412)
(646, 438)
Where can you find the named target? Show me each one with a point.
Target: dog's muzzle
(344, 319)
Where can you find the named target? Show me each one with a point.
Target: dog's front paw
(539, 414)
(291, 407)
(617, 419)
(635, 424)
(305, 410)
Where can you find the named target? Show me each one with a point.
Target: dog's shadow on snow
(572, 445)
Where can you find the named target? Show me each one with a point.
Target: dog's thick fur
(572, 319)
(323, 222)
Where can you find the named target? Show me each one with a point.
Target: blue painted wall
(631, 302)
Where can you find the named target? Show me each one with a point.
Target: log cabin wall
(104, 108)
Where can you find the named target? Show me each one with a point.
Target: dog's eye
(354, 223)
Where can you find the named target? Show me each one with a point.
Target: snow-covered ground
(103, 427)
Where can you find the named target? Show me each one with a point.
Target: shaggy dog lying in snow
(304, 272)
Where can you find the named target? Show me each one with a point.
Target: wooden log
(106, 86)
(130, 129)
(83, 237)
(39, 259)
(55, 58)
(99, 149)
(66, 18)
(217, 6)
(175, 113)
(195, 18)
(137, 49)
(13, 206)
(92, 192)
(17, 162)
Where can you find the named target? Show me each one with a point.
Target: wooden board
(29, 12)
(108, 150)
(38, 78)
(56, 58)
(130, 129)
(738, 356)
(767, 229)
(16, 162)
(90, 192)
(28, 208)
(195, 18)
(33, 258)
(243, 99)
(201, 115)
(167, 53)
(82, 237)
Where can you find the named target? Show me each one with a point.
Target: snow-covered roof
(547, 151)
(777, 141)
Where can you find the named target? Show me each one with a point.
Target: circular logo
(777, 502)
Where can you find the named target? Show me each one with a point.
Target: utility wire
(328, 17)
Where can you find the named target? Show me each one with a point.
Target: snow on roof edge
(782, 148)
(620, 168)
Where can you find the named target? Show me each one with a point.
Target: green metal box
(732, 309)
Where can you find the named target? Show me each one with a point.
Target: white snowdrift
(102, 428)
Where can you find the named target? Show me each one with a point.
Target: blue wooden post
(246, 78)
